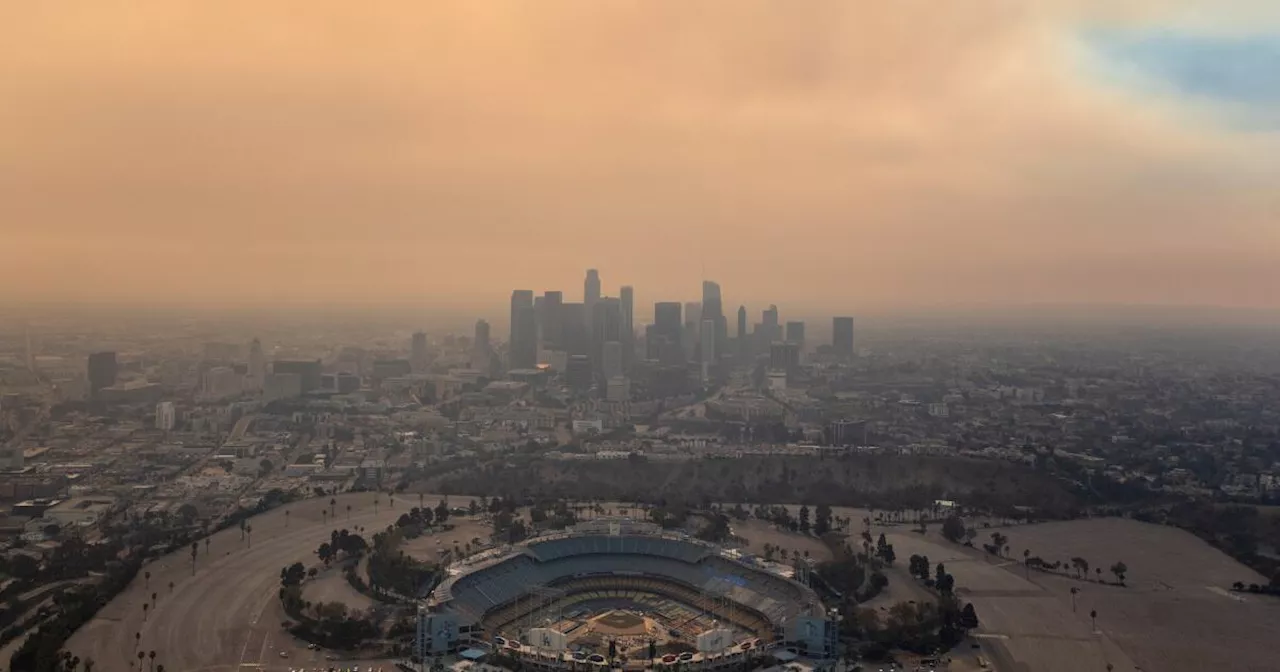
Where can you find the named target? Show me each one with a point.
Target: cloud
(826, 154)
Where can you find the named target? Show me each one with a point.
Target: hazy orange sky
(818, 154)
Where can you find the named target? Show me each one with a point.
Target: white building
(166, 416)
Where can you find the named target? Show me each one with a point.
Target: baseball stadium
(625, 594)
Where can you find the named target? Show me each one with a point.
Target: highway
(227, 616)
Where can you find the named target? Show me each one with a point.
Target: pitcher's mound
(620, 623)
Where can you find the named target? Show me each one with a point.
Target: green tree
(1119, 569)
(953, 529)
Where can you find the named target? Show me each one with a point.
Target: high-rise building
(284, 385)
(713, 309)
(308, 371)
(578, 373)
(692, 325)
(744, 339)
(842, 336)
(606, 325)
(591, 293)
(523, 345)
(552, 325)
(611, 360)
(166, 416)
(795, 333)
(664, 341)
(257, 364)
(418, 353)
(771, 331)
(481, 355)
(707, 348)
(575, 328)
(221, 382)
(627, 299)
(102, 371)
(784, 356)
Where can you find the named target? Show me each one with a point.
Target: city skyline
(872, 156)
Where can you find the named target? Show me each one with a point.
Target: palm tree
(248, 530)
(153, 598)
(375, 509)
(332, 503)
(152, 656)
(286, 517)
(145, 606)
(376, 497)
(195, 548)
(170, 587)
(324, 515)
(141, 656)
(146, 580)
(159, 668)
(206, 546)
(1093, 616)
(137, 640)
(88, 665)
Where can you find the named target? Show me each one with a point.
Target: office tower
(665, 341)
(689, 335)
(578, 373)
(591, 293)
(523, 345)
(626, 298)
(480, 352)
(281, 386)
(784, 356)
(606, 325)
(842, 336)
(744, 339)
(795, 333)
(713, 309)
(102, 371)
(308, 371)
(221, 382)
(574, 325)
(418, 353)
(166, 416)
(552, 324)
(611, 360)
(771, 331)
(257, 363)
(707, 348)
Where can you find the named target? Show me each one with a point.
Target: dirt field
(1174, 615)
(466, 530)
(757, 533)
(332, 586)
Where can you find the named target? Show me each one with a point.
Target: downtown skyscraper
(842, 336)
(523, 345)
(590, 293)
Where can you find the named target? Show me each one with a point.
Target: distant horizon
(406, 312)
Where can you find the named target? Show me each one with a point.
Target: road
(226, 616)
